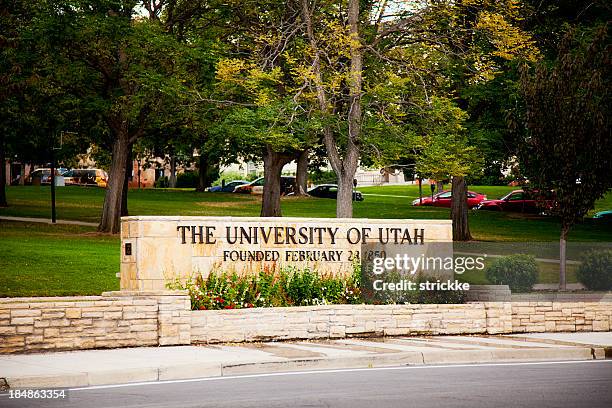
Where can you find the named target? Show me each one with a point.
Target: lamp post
(53, 215)
(53, 149)
(420, 190)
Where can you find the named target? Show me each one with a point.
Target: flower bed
(290, 286)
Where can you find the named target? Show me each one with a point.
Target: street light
(53, 149)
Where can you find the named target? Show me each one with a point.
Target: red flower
(202, 307)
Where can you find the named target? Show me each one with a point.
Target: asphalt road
(561, 384)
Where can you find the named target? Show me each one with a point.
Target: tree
(568, 146)
(259, 93)
(355, 46)
(121, 67)
(14, 63)
(444, 152)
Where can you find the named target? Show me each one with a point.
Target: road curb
(193, 370)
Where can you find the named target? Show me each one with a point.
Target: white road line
(347, 370)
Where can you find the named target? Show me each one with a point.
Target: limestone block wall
(114, 319)
(561, 316)
(337, 321)
(124, 319)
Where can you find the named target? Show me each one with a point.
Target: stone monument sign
(156, 250)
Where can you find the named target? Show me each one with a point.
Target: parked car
(256, 186)
(331, 191)
(523, 201)
(44, 175)
(86, 177)
(603, 215)
(444, 199)
(228, 187)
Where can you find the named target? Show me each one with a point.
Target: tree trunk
(202, 172)
(459, 210)
(273, 167)
(301, 174)
(344, 167)
(3, 202)
(563, 257)
(172, 179)
(111, 211)
(344, 202)
(124, 194)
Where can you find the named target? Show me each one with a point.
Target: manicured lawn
(45, 260)
(40, 259)
(81, 203)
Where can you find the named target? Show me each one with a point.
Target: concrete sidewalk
(115, 366)
(48, 221)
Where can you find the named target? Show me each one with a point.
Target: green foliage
(444, 150)
(568, 106)
(520, 272)
(188, 179)
(162, 182)
(322, 177)
(230, 175)
(270, 288)
(290, 286)
(595, 271)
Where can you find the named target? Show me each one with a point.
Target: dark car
(256, 187)
(86, 177)
(530, 202)
(444, 199)
(331, 191)
(228, 187)
(603, 216)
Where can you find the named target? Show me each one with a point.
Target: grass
(46, 260)
(85, 204)
(548, 273)
(40, 259)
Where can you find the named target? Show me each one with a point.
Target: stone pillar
(174, 319)
(173, 313)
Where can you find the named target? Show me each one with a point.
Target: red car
(444, 199)
(519, 201)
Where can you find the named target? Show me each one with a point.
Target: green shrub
(293, 287)
(322, 176)
(520, 272)
(188, 179)
(162, 182)
(270, 288)
(595, 272)
(233, 175)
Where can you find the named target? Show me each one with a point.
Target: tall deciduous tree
(444, 152)
(260, 92)
(351, 43)
(568, 146)
(129, 64)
